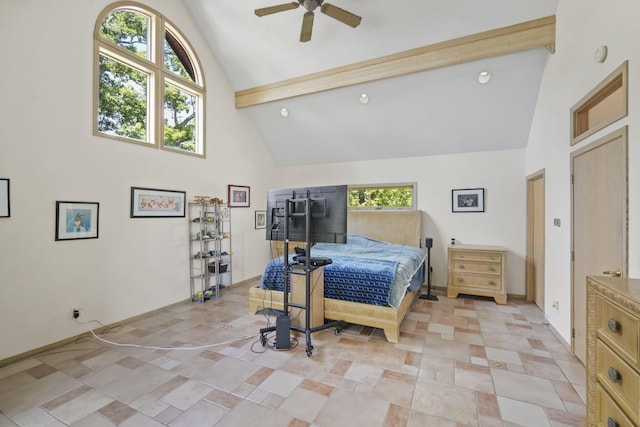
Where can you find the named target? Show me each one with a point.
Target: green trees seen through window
(130, 80)
(401, 196)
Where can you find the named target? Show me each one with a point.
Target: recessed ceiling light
(600, 55)
(364, 98)
(484, 77)
(284, 112)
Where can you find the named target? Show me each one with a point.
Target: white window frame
(414, 196)
(158, 77)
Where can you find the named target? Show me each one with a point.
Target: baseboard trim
(443, 289)
(567, 345)
(61, 343)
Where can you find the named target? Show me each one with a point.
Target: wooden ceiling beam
(538, 33)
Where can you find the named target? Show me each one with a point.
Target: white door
(599, 209)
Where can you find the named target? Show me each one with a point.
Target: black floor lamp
(428, 242)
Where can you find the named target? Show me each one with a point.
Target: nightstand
(478, 270)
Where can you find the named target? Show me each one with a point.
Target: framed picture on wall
(5, 207)
(239, 196)
(467, 200)
(77, 220)
(261, 219)
(153, 203)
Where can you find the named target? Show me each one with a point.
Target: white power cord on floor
(151, 347)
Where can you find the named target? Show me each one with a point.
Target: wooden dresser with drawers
(613, 362)
(478, 270)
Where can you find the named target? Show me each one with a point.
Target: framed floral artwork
(153, 203)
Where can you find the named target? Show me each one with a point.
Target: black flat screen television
(328, 208)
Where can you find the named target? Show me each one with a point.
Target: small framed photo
(224, 213)
(467, 200)
(239, 196)
(77, 220)
(261, 219)
(154, 203)
(5, 207)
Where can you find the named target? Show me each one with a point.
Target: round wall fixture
(600, 54)
(484, 77)
(364, 98)
(284, 112)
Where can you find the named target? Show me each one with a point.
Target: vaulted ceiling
(417, 60)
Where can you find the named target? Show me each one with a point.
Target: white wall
(582, 26)
(48, 151)
(501, 173)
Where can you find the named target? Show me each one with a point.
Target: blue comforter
(364, 270)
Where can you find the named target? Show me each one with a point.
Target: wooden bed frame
(404, 227)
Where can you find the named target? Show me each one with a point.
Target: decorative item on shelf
(207, 199)
(212, 267)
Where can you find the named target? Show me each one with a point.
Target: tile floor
(459, 362)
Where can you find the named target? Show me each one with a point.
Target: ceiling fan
(307, 21)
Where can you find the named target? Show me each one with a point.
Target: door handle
(612, 273)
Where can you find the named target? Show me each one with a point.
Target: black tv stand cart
(307, 269)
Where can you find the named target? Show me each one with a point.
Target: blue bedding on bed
(364, 270)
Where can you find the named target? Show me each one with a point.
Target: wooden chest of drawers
(613, 358)
(478, 270)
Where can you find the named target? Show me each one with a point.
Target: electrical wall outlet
(556, 305)
(76, 313)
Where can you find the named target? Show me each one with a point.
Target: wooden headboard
(403, 227)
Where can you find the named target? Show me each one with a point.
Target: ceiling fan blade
(307, 26)
(275, 9)
(341, 15)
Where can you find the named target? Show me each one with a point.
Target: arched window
(149, 84)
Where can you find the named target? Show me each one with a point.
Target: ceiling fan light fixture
(364, 98)
(334, 12)
(284, 112)
(484, 77)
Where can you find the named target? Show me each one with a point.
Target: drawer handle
(614, 326)
(461, 266)
(492, 268)
(491, 282)
(612, 423)
(613, 273)
(614, 375)
(460, 279)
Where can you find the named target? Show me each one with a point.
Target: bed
(385, 312)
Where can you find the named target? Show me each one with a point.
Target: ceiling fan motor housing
(310, 5)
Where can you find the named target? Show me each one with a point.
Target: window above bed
(383, 196)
